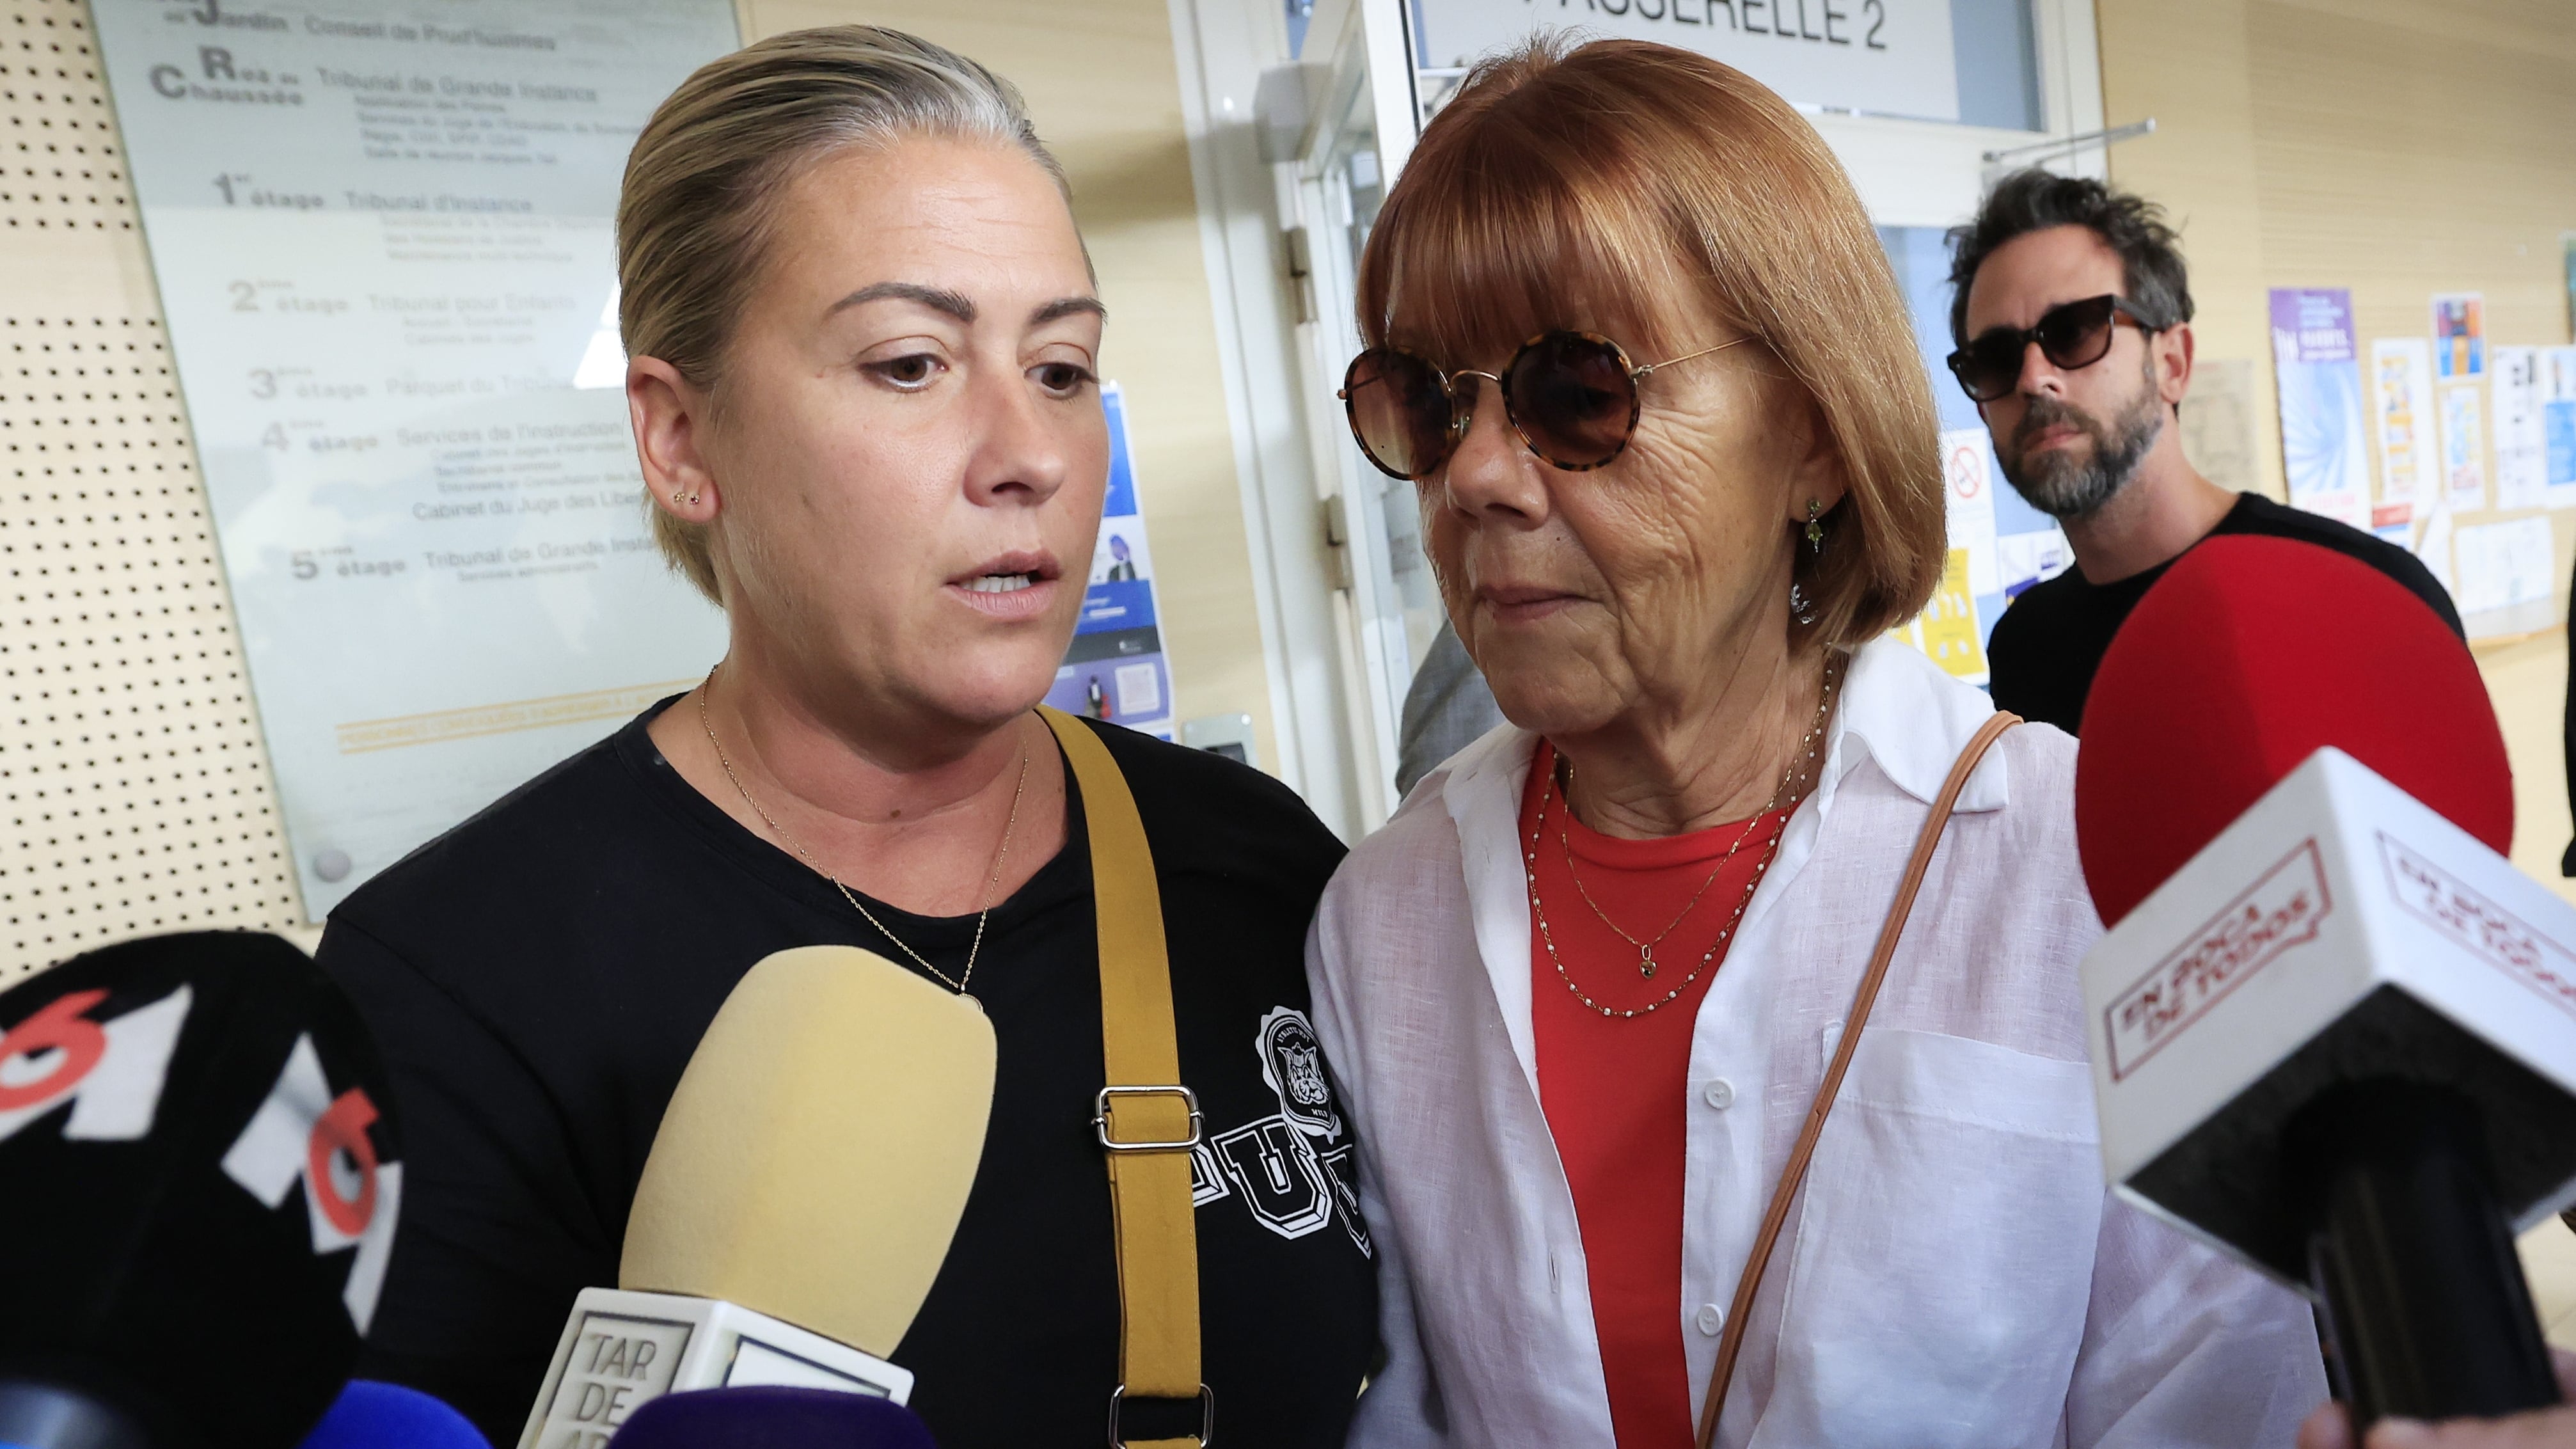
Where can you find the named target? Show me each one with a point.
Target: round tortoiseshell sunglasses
(1571, 396)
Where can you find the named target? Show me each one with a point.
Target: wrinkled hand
(2330, 1428)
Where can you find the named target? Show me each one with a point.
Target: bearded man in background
(2072, 315)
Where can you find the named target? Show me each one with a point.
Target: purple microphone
(772, 1418)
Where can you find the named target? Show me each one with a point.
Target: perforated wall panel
(134, 789)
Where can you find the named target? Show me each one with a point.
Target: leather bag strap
(1147, 1121)
(1740, 1312)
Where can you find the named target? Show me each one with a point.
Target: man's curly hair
(2154, 278)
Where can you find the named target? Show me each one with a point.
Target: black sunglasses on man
(2070, 335)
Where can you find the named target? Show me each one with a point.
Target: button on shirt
(1953, 1273)
(1617, 1088)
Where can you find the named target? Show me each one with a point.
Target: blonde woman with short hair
(865, 394)
(1630, 334)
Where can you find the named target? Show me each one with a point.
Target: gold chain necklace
(1647, 965)
(954, 983)
(1538, 907)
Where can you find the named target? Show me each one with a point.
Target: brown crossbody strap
(1740, 1312)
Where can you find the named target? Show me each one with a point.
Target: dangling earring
(1801, 608)
(1815, 529)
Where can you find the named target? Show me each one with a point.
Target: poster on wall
(2401, 375)
(1948, 628)
(2464, 448)
(1952, 628)
(2459, 334)
(1115, 669)
(2324, 452)
(2218, 429)
(2500, 565)
(2033, 557)
(2434, 548)
(2558, 425)
(2521, 443)
(381, 230)
(1970, 476)
(1893, 57)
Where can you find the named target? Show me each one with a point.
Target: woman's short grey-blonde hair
(697, 210)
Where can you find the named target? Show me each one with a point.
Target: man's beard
(2063, 484)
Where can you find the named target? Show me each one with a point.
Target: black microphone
(2333, 1029)
(203, 1178)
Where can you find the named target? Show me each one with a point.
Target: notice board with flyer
(1115, 669)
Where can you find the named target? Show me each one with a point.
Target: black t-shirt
(2047, 645)
(538, 977)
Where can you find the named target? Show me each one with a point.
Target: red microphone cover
(2247, 657)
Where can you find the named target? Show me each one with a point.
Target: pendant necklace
(1647, 965)
(955, 983)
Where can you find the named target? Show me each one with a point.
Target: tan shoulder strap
(1146, 1120)
(1740, 1312)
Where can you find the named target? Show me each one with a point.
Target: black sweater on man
(2048, 644)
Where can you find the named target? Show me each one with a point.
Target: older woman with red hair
(1683, 1113)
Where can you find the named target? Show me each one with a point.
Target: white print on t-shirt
(1292, 1171)
(1292, 1062)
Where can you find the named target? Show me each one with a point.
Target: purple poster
(2325, 452)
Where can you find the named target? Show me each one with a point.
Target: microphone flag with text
(203, 1175)
(2333, 1030)
(800, 1196)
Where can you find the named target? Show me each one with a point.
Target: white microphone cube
(621, 1350)
(2339, 930)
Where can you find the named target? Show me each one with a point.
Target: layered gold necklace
(1800, 760)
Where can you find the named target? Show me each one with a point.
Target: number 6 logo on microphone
(302, 1133)
(110, 1071)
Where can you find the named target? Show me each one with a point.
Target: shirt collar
(1912, 719)
(1898, 709)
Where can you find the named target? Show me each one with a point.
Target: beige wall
(134, 789)
(2398, 149)
(1102, 85)
(2388, 146)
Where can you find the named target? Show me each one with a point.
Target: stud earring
(678, 497)
(1815, 528)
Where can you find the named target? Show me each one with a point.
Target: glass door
(1387, 607)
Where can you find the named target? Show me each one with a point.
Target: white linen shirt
(1953, 1272)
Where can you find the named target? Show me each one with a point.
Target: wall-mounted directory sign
(382, 234)
(1893, 57)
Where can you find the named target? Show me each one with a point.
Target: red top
(1616, 1090)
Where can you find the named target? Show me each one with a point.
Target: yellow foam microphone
(801, 1193)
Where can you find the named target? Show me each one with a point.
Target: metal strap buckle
(1189, 1099)
(1207, 1396)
